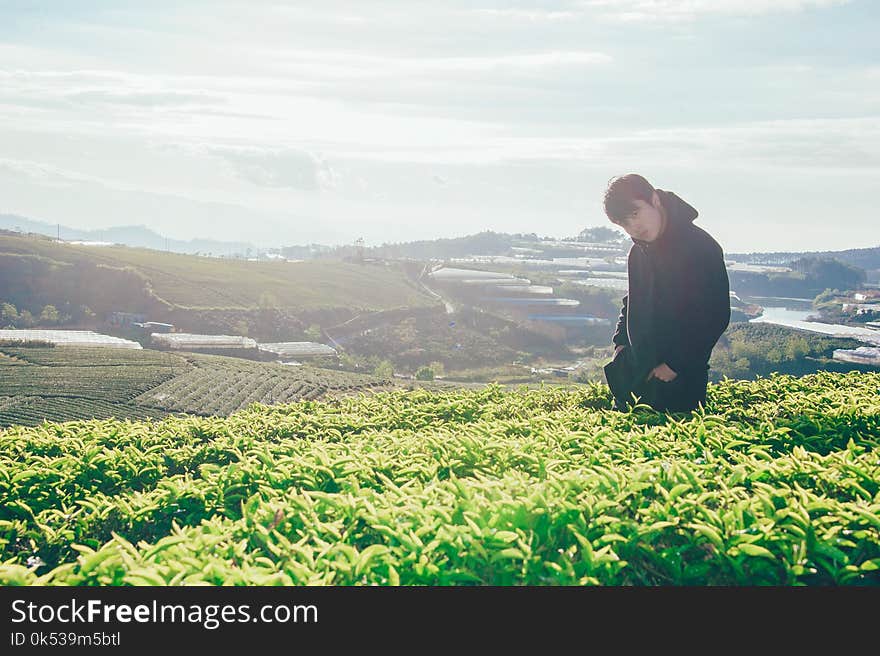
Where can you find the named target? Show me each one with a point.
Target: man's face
(646, 221)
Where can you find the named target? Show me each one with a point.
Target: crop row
(72, 356)
(590, 524)
(61, 384)
(109, 383)
(541, 486)
(221, 386)
(33, 410)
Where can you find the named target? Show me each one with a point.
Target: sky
(326, 121)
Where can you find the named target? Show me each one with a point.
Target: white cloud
(330, 96)
(291, 168)
(42, 173)
(336, 65)
(683, 10)
(277, 131)
(528, 15)
(819, 144)
(144, 98)
(425, 119)
(816, 144)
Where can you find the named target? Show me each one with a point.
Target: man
(678, 303)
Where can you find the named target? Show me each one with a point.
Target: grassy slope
(777, 482)
(198, 282)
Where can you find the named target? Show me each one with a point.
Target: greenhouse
(67, 338)
(607, 283)
(297, 349)
(190, 341)
(473, 277)
(861, 355)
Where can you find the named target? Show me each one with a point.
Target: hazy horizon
(282, 125)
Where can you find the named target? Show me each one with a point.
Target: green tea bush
(775, 482)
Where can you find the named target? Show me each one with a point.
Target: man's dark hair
(621, 193)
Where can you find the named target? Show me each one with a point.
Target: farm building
(193, 342)
(620, 283)
(549, 302)
(474, 277)
(745, 267)
(68, 338)
(595, 263)
(862, 308)
(155, 327)
(570, 319)
(860, 355)
(525, 289)
(535, 305)
(124, 319)
(297, 349)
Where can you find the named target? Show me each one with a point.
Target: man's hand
(663, 372)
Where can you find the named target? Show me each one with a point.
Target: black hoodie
(678, 303)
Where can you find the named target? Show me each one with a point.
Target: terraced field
(220, 386)
(32, 410)
(66, 383)
(776, 482)
(62, 383)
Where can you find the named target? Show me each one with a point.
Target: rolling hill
(38, 271)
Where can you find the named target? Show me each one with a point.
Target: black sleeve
(620, 336)
(708, 309)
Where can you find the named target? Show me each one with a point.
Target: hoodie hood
(677, 210)
(679, 214)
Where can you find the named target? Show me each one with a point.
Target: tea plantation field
(777, 481)
(67, 383)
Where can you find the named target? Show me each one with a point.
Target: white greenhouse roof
(756, 268)
(861, 355)
(450, 273)
(69, 338)
(297, 349)
(607, 283)
(518, 300)
(526, 289)
(193, 341)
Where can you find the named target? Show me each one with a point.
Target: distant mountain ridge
(483, 243)
(489, 242)
(136, 236)
(865, 258)
(500, 243)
